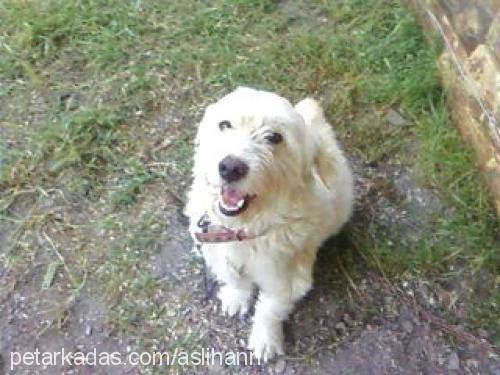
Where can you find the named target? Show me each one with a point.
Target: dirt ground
(376, 328)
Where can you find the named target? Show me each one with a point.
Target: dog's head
(253, 151)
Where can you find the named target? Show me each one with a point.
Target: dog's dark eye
(274, 138)
(225, 125)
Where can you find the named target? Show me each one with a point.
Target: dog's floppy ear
(325, 154)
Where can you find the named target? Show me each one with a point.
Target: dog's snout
(232, 169)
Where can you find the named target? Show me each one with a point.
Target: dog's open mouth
(233, 201)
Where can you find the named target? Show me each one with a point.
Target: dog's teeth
(240, 203)
(229, 208)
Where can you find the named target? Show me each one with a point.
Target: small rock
(483, 333)
(341, 328)
(88, 330)
(394, 118)
(440, 359)
(280, 366)
(453, 362)
(407, 326)
(348, 320)
(59, 216)
(475, 364)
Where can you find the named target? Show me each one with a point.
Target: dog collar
(219, 233)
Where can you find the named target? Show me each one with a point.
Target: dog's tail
(328, 159)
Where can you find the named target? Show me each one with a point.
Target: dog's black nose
(232, 169)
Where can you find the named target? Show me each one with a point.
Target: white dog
(270, 185)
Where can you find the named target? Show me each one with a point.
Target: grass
(100, 101)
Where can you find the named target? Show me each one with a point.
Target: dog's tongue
(231, 196)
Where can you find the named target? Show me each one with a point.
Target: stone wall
(470, 67)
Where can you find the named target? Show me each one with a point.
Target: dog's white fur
(304, 194)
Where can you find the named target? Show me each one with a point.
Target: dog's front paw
(266, 342)
(234, 301)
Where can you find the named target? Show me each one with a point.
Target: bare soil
(344, 326)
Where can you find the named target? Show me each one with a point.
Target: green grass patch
(96, 32)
